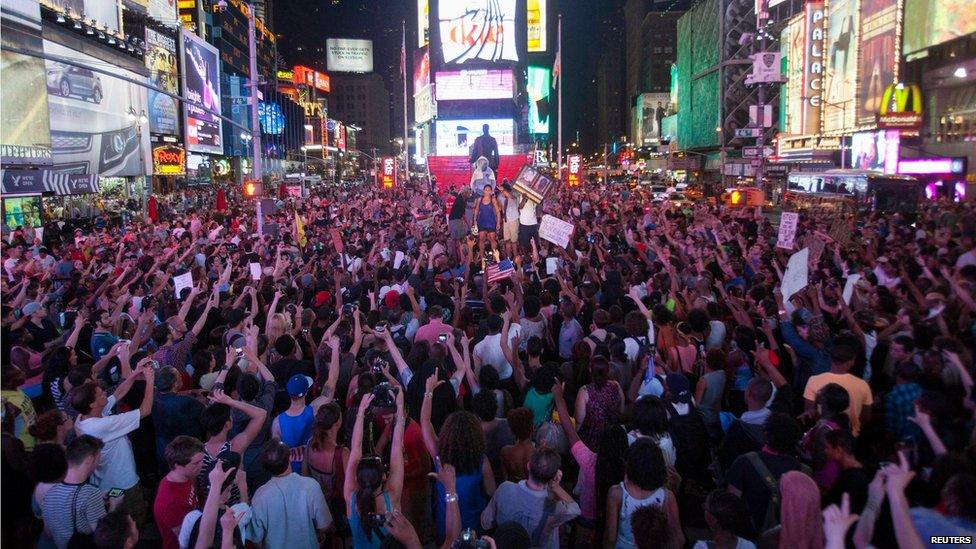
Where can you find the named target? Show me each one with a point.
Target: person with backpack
(754, 476)
(600, 339)
(73, 507)
(599, 403)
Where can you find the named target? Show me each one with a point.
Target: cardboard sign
(816, 246)
(797, 274)
(255, 271)
(841, 231)
(787, 230)
(555, 230)
(182, 281)
(336, 240)
(533, 184)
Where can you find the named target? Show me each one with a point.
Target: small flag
(499, 271)
(300, 230)
(556, 67)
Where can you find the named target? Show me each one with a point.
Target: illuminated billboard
(161, 61)
(538, 86)
(201, 87)
(477, 29)
(933, 22)
(423, 22)
(424, 105)
(455, 137)
(840, 58)
(421, 70)
(26, 135)
(793, 44)
(474, 84)
(349, 55)
(535, 22)
(877, 151)
(877, 61)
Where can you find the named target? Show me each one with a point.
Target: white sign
(849, 287)
(255, 270)
(478, 29)
(796, 276)
(750, 152)
(398, 259)
(552, 265)
(765, 68)
(182, 281)
(787, 230)
(555, 230)
(424, 105)
(349, 55)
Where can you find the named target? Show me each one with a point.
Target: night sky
(306, 24)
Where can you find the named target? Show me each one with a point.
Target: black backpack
(601, 348)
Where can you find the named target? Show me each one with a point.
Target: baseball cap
(31, 308)
(298, 385)
(322, 298)
(679, 387)
(391, 299)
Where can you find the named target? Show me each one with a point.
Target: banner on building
(574, 172)
(94, 117)
(26, 135)
(169, 160)
(161, 61)
(424, 105)
(46, 181)
(477, 29)
(901, 107)
(388, 172)
(877, 57)
(840, 56)
(201, 87)
(349, 55)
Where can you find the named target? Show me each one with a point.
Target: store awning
(21, 182)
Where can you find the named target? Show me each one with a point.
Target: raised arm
(426, 428)
(255, 414)
(565, 421)
(355, 448)
(394, 482)
(328, 390)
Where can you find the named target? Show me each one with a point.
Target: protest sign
(532, 184)
(184, 280)
(796, 275)
(336, 240)
(841, 231)
(552, 265)
(398, 259)
(787, 230)
(816, 246)
(255, 271)
(849, 287)
(555, 230)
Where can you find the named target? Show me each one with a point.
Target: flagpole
(559, 92)
(403, 68)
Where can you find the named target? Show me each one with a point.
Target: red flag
(153, 210)
(221, 201)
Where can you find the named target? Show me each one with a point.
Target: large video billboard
(26, 133)
(933, 22)
(538, 86)
(455, 137)
(474, 84)
(840, 55)
(349, 55)
(163, 10)
(161, 61)
(477, 29)
(876, 150)
(421, 70)
(878, 56)
(201, 87)
(91, 127)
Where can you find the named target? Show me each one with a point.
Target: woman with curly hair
(460, 444)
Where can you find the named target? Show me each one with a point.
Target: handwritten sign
(336, 240)
(816, 246)
(255, 271)
(552, 265)
(849, 287)
(841, 231)
(787, 230)
(555, 230)
(797, 273)
(398, 259)
(182, 281)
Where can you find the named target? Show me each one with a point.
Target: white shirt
(632, 346)
(117, 468)
(527, 215)
(489, 351)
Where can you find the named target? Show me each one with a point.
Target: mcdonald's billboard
(901, 107)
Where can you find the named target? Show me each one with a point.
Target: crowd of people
(386, 368)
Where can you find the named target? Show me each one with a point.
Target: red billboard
(311, 77)
(574, 163)
(387, 174)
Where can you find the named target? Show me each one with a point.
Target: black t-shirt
(743, 475)
(853, 481)
(283, 369)
(41, 334)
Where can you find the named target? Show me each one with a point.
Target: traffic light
(249, 189)
(736, 198)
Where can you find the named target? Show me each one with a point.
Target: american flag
(499, 271)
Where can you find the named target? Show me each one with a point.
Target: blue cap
(298, 385)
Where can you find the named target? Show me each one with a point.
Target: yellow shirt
(857, 389)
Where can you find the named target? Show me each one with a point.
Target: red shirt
(173, 501)
(416, 461)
